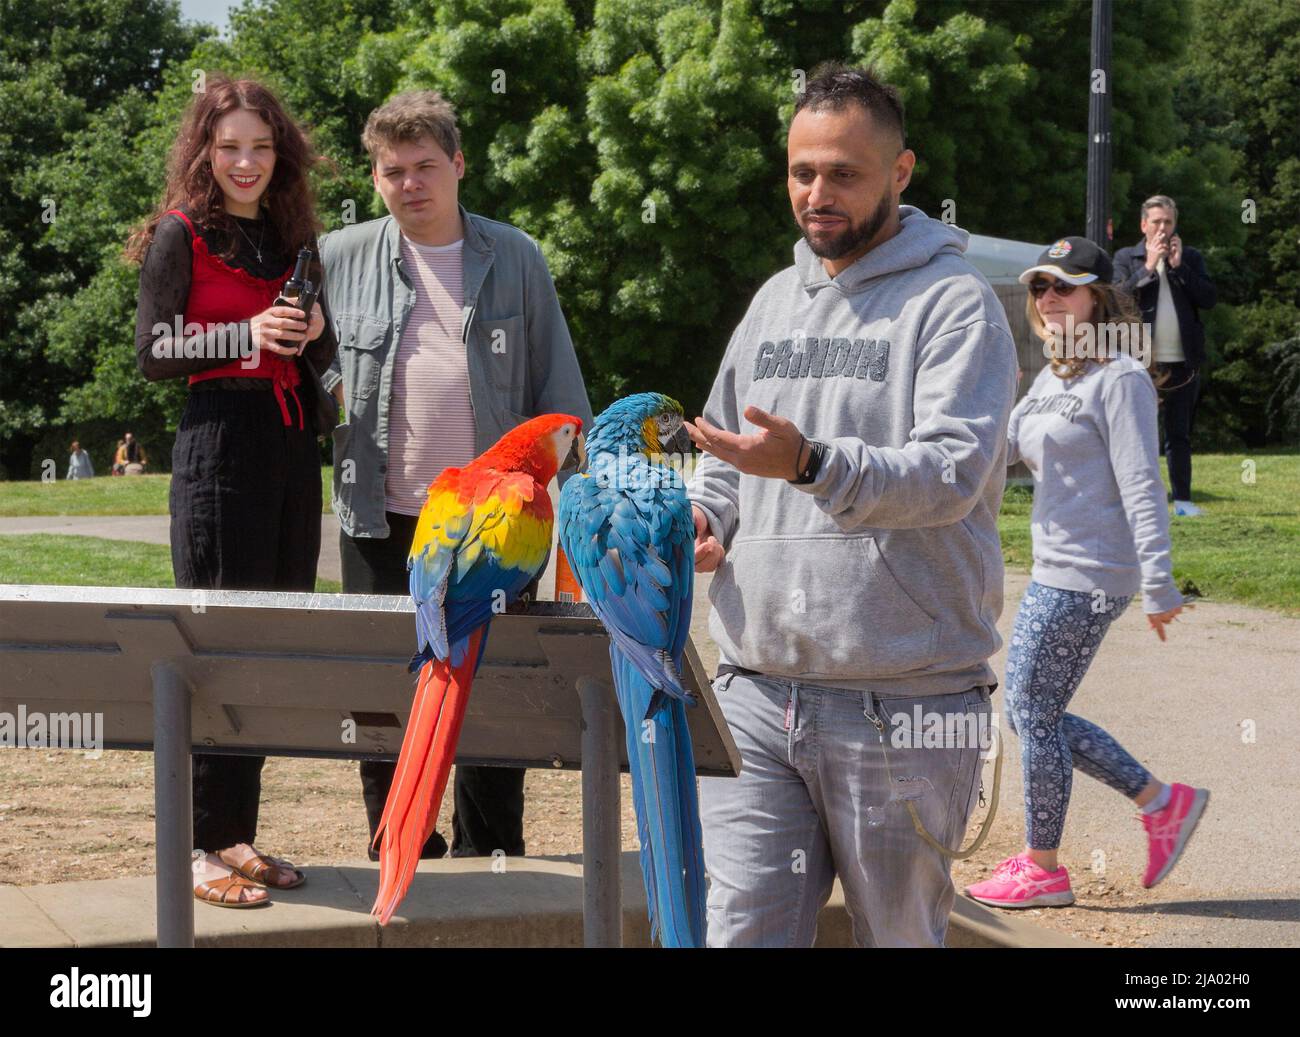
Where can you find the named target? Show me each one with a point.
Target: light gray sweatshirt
(1100, 521)
(884, 574)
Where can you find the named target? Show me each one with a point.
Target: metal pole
(173, 810)
(1099, 153)
(602, 893)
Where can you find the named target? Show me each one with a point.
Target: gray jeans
(798, 815)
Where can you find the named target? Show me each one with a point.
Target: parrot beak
(681, 442)
(576, 458)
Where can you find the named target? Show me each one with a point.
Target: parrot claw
(657, 701)
(672, 686)
(670, 670)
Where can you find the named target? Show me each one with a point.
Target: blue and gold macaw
(625, 525)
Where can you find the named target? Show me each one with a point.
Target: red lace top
(220, 294)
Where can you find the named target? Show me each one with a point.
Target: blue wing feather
(628, 551)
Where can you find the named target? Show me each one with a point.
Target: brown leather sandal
(217, 892)
(259, 866)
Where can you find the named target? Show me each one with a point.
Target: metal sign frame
(277, 673)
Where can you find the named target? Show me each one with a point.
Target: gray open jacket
(520, 356)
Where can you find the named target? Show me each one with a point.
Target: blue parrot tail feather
(665, 797)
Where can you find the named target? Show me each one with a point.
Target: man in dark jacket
(1171, 286)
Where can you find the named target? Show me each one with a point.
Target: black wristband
(816, 453)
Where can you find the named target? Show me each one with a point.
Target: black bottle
(299, 291)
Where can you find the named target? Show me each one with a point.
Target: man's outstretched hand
(775, 451)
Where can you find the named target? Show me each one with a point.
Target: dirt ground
(65, 817)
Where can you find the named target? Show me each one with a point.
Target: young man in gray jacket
(450, 334)
(857, 433)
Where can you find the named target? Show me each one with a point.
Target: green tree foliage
(64, 64)
(642, 143)
(108, 175)
(963, 83)
(511, 69)
(307, 51)
(1241, 93)
(686, 204)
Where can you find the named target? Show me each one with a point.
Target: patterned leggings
(1055, 637)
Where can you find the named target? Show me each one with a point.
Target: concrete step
(526, 902)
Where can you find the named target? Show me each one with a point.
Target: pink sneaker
(1169, 829)
(1019, 882)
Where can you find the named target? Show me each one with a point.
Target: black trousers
(246, 515)
(489, 801)
(1179, 393)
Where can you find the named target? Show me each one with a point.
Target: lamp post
(1099, 155)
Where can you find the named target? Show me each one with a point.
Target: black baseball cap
(1073, 260)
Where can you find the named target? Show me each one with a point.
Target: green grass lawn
(1246, 548)
(104, 495)
(92, 562)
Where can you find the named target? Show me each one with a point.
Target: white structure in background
(1001, 261)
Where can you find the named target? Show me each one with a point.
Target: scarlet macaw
(483, 535)
(626, 527)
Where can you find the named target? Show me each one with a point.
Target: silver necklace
(260, 238)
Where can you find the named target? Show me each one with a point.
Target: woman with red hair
(246, 487)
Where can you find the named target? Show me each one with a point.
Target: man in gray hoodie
(853, 530)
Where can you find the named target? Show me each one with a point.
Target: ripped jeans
(800, 813)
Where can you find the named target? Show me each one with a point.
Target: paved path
(1185, 709)
(1214, 706)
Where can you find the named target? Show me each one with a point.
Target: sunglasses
(1038, 288)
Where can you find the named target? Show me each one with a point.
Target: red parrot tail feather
(426, 709)
(423, 766)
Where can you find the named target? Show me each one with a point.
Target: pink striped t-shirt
(430, 416)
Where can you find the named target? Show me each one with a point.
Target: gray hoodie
(1100, 520)
(884, 574)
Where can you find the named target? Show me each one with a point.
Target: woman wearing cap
(246, 487)
(1087, 431)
